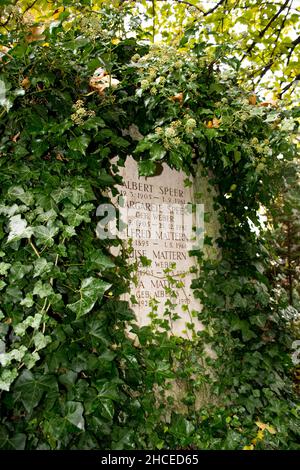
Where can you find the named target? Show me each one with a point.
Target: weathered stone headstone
(159, 222)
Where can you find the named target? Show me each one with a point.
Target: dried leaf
(216, 122)
(36, 34)
(15, 138)
(101, 82)
(272, 103)
(25, 83)
(178, 98)
(252, 99)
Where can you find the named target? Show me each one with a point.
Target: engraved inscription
(157, 225)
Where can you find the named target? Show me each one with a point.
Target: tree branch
(289, 85)
(294, 45)
(265, 29)
(208, 12)
(205, 13)
(263, 70)
(29, 7)
(184, 3)
(280, 29)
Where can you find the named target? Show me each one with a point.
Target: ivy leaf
(45, 235)
(239, 301)
(146, 168)
(48, 216)
(68, 231)
(79, 144)
(17, 192)
(81, 192)
(30, 359)
(19, 270)
(42, 289)
(61, 193)
(104, 179)
(93, 123)
(41, 341)
(107, 409)
(4, 267)
(68, 379)
(91, 290)
(142, 146)
(176, 159)
(243, 326)
(182, 426)
(74, 414)
(18, 229)
(97, 330)
(31, 388)
(98, 260)
(124, 439)
(15, 442)
(42, 266)
(75, 216)
(157, 152)
(107, 390)
(7, 377)
(27, 301)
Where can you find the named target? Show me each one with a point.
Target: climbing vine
(71, 377)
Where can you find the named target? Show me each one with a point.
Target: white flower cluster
(91, 26)
(262, 147)
(287, 124)
(190, 125)
(170, 134)
(80, 113)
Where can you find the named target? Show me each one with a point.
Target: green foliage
(286, 220)
(261, 38)
(71, 377)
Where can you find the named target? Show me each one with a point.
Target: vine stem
(34, 248)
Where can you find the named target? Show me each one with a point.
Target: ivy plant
(71, 376)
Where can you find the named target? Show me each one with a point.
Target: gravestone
(159, 221)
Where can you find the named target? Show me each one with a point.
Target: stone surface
(159, 221)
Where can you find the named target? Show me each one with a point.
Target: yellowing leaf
(251, 447)
(215, 123)
(260, 435)
(115, 41)
(57, 12)
(260, 425)
(271, 429)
